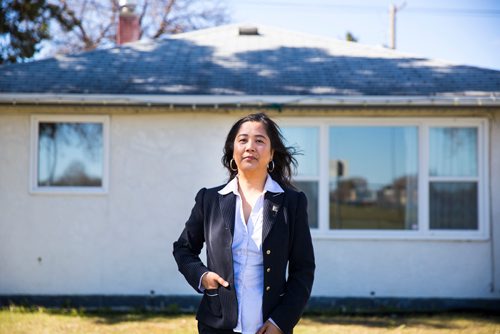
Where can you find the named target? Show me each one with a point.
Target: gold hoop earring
(269, 169)
(231, 166)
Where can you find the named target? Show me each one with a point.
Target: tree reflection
(66, 151)
(355, 203)
(453, 151)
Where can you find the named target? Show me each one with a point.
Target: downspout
(490, 206)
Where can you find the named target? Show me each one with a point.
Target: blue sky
(460, 31)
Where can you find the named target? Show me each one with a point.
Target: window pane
(373, 178)
(453, 205)
(70, 154)
(453, 151)
(310, 188)
(305, 139)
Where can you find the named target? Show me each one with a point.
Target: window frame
(70, 190)
(423, 125)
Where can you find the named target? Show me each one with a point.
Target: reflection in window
(453, 205)
(453, 151)
(453, 162)
(373, 178)
(70, 154)
(310, 188)
(306, 141)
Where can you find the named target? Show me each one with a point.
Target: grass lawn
(18, 320)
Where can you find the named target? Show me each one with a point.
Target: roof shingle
(218, 61)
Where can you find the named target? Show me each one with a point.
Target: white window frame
(70, 190)
(423, 124)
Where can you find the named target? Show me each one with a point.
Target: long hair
(283, 156)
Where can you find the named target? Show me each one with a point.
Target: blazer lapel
(272, 205)
(227, 205)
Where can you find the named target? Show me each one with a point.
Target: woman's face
(252, 148)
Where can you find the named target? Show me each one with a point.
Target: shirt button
(268, 270)
(268, 288)
(268, 252)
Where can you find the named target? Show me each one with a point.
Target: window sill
(400, 235)
(68, 191)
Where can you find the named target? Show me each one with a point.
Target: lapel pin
(275, 209)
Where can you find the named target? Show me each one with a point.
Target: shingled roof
(219, 61)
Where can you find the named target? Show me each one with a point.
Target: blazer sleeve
(190, 243)
(301, 266)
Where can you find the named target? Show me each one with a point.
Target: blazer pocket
(212, 301)
(211, 292)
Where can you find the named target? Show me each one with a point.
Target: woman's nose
(250, 146)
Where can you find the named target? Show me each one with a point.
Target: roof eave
(483, 100)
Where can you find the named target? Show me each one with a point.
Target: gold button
(268, 252)
(268, 288)
(268, 270)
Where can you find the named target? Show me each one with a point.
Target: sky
(460, 32)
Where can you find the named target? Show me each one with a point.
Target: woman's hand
(269, 328)
(211, 280)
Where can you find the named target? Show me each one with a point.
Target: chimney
(128, 25)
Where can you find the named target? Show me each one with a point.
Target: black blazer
(286, 240)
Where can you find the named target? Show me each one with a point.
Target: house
(102, 153)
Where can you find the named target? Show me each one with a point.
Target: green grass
(16, 320)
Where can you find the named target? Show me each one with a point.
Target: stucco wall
(121, 242)
(495, 199)
(118, 243)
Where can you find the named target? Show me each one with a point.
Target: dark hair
(283, 156)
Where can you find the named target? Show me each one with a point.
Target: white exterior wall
(121, 242)
(495, 200)
(403, 268)
(117, 243)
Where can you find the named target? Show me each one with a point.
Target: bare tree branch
(141, 16)
(88, 24)
(115, 8)
(164, 23)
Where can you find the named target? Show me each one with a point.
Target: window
(453, 172)
(397, 178)
(305, 139)
(69, 153)
(373, 177)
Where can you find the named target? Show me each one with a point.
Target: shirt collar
(270, 185)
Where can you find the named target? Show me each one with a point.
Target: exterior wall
(403, 268)
(121, 242)
(118, 243)
(495, 200)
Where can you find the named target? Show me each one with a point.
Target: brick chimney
(128, 25)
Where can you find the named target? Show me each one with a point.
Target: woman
(254, 227)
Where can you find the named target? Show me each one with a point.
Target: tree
(68, 26)
(350, 37)
(24, 24)
(96, 21)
